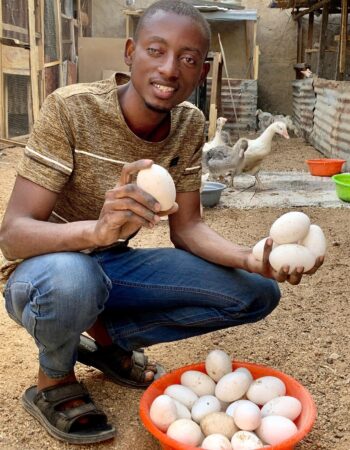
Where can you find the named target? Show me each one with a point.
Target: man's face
(167, 60)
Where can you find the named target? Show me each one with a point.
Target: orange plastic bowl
(325, 167)
(304, 422)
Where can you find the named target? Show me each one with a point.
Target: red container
(304, 422)
(325, 167)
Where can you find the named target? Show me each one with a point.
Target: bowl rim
(323, 160)
(339, 182)
(166, 440)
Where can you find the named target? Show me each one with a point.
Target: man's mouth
(163, 88)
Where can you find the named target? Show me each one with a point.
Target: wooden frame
(28, 58)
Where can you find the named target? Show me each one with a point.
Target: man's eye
(153, 51)
(189, 60)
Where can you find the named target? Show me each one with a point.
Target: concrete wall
(276, 37)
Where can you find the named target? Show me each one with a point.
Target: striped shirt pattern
(80, 143)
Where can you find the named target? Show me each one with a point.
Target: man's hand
(127, 208)
(264, 267)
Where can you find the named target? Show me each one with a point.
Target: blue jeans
(144, 297)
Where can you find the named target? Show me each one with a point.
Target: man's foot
(68, 413)
(125, 368)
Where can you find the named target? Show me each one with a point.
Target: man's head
(180, 8)
(167, 56)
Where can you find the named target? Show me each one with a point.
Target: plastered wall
(276, 37)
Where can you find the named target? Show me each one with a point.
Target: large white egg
(275, 429)
(315, 241)
(247, 415)
(200, 383)
(203, 406)
(246, 372)
(163, 412)
(185, 431)
(158, 182)
(182, 394)
(245, 440)
(218, 423)
(266, 388)
(182, 411)
(292, 255)
(285, 406)
(290, 227)
(230, 410)
(232, 386)
(216, 442)
(218, 364)
(258, 249)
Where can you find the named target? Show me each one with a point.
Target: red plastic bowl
(304, 422)
(325, 167)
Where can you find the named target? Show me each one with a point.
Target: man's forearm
(27, 237)
(204, 242)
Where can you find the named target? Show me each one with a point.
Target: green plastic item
(342, 186)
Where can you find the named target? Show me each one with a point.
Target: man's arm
(26, 232)
(190, 233)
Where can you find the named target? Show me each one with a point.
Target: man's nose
(170, 66)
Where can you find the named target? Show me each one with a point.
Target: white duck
(259, 148)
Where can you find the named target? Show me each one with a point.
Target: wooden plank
(310, 30)
(343, 39)
(250, 45)
(2, 87)
(15, 58)
(213, 111)
(256, 62)
(52, 63)
(314, 7)
(6, 105)
(300, 42)
(323, 38)
(12, 142)
(33, 60)
(58, 22)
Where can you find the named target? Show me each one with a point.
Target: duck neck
(217, 136)
(267, 135)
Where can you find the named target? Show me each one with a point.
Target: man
(74, 208)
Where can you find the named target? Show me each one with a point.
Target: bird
(259, 148)
(221, 137)
(224, 159)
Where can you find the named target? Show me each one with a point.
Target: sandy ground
(306, 336)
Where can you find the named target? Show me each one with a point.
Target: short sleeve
(48, 156)
(191, 177)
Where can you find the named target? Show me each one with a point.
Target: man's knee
(59, 286)
(267, 297)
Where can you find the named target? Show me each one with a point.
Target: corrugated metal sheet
(231, 15)
(331, 130)
(304, 100)
(245, 97)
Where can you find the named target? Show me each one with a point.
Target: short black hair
(180, 7)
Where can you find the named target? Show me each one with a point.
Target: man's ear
(204, 73)
(129, 51)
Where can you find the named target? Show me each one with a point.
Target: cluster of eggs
(296, 242)
(226, 409)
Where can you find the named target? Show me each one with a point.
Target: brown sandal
(109, 360)
(65, 424)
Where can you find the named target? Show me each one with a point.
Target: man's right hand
(126, 209)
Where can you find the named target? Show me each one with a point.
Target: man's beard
(157, 109)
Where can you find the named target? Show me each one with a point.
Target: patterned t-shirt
(81, 141)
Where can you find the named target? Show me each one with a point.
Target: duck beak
(285, 134)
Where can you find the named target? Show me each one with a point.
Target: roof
(285, 4)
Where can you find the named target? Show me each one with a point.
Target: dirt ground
(306, 336)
